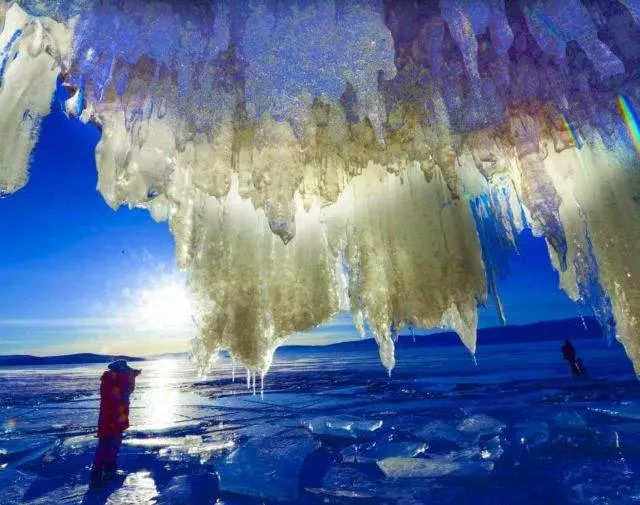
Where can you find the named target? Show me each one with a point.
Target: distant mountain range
(559, 330)
(67, 359)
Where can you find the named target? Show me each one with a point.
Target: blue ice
(268, 468)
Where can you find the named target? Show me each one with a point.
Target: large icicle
(600, 210)
(32, 52)
(412, 252)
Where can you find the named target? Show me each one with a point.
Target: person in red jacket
(575, 363)
(116, 386)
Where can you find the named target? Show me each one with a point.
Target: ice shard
(382, 156)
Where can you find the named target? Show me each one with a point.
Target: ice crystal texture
(379, 156)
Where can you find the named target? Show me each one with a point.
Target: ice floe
(343, 427)
(406, 468)
(268, 468)
(372, 452)
(481, 424)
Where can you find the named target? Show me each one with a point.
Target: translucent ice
(489, 450)
(569, 421)
(531, 434)
(406, 468)
(620, 411)
(381, 449)
(138, 488)
(442, 431)
(189, 489)
(348, 482)
(19, 447)
(315, 156)
(155, 443)
(343, 427)
(481, 424)
(280, 461)
(31, 57)
(80, 442)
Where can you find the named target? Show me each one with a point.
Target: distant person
(575, 363)
(116, 386)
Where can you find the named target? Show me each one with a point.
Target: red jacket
(115, 389)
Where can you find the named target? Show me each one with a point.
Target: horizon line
(432, 332)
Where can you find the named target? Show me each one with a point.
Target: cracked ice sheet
(280, 461)
(374, 451)
(351, 483)
(574, 447)
(619, 411)
(285, 403)
(412, 468)
(343, 427)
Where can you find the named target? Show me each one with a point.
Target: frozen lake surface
(332, 427)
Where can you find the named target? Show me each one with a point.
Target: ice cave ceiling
(382, 156)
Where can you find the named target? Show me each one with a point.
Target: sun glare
(167, 304)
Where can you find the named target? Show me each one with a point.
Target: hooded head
(121, 365)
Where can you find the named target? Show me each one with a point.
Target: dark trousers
(107, 453)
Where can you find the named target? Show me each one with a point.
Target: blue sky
(71, 268)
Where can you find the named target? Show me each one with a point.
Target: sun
(166, 304)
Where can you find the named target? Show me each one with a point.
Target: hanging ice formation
(311, 155)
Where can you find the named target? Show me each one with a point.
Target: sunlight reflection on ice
(138, 488)
(158, 398)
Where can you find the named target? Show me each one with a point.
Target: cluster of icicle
(312, 156)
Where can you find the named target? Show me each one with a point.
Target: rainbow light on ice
(572, 132)
(630, 120)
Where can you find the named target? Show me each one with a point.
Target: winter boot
(95, 478)
(112, 473)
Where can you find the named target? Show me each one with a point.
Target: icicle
(262, 376)
(584, 323)
(31, 56)
(348, 181)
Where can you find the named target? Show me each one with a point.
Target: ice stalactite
(553, 24)
(310, 156)
(394, 226)
(32, 53)
(276, 288)
(539, 195)
(496, 208)
(599, 194)
(634, 8)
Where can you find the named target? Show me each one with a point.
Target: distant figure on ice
(116, 386)
(576, 364)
